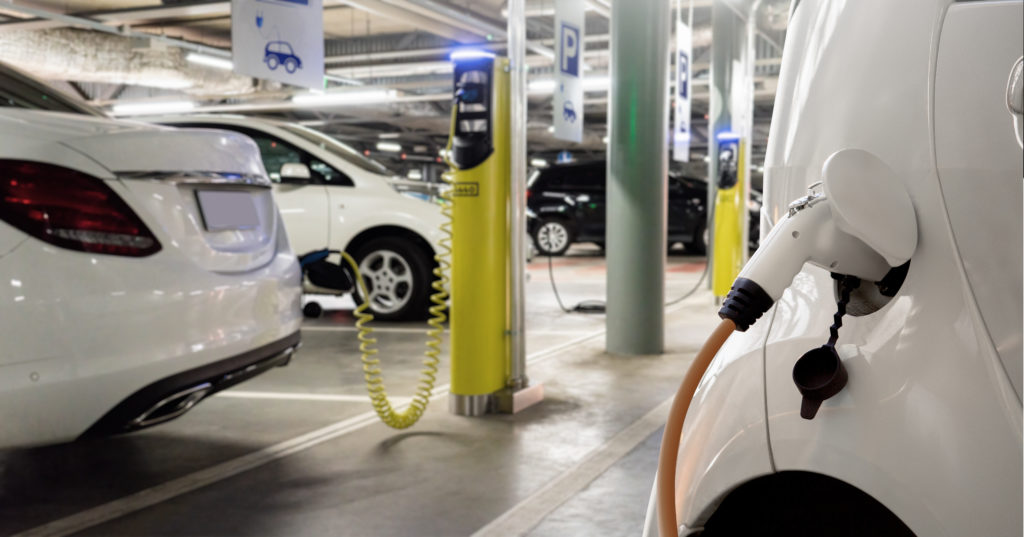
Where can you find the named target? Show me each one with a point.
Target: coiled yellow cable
(367, 343)
(371, 366)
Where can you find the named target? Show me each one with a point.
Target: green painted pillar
(637, 176)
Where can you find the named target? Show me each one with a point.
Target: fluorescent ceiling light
(210, 61)
(547, 85)
(415, 175)
(388, 135)
(390, 147)
(337, 98)
(539, 163)
(605, 140)
(542, 85)
(551, 128)
(470, 54)
(152, 108)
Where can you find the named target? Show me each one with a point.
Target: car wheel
(398, 275)
(312, 310)
(290, 65)
(699, 245)
(272, 62)
(552, 236)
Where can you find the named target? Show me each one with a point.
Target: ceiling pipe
(443, 12)
(390, 9)
(71, 20)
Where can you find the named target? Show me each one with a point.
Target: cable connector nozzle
(745, 304)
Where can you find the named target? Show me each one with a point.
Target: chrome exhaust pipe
(171, 406)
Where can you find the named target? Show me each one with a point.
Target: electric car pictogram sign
(280, 40)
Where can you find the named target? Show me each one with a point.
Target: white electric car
(332, 196)
(926, 437)
(142, 268)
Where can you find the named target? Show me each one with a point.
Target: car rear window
(574, 178)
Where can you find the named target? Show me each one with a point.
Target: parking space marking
(400, 330)
(286, 396)
(176, 487)
(528, 513)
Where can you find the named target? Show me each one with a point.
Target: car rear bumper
(82, 332)
(171, 397)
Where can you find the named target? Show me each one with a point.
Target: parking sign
(568, 96)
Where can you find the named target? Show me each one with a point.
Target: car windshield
(18, 90)
(337, 148)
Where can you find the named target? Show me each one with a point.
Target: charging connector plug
(745, 304)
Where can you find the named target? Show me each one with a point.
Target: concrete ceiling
(398, 44)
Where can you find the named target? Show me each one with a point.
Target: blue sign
(569, 112)
(569, 62)
(281, 53)
(564, 157)
(684, 76)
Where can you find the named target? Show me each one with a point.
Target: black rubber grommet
(745, 304)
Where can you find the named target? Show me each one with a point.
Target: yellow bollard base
(469, 405)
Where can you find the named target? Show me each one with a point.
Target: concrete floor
(298, 451)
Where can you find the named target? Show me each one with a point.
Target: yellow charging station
(478, 153)
(728, 240)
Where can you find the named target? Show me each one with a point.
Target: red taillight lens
(71, 210)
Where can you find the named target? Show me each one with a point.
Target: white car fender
(356, 205)
(725, 440)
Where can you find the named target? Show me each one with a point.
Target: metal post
(637, 176)
(517, 192)
(518, 394)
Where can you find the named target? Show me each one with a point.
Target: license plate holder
(224, 210)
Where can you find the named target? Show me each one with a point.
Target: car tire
(290, 65)
(272, 62)
(402, 272)
(699, 244)
(553, 236)
(312, 310)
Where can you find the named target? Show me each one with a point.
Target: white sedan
(331, 196)
(142, 268)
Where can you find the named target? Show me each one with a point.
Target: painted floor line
(326, 397)
(528, 513)
(176, 487)
(398, 330)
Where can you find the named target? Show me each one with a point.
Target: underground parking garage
(500, 268)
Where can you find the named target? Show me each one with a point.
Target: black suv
(567, 204)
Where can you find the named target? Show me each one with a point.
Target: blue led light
(470, 54)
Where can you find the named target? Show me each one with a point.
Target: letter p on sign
(569, 50)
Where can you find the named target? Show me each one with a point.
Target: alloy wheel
(389, 280)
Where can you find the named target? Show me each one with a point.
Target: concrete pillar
(637, 176)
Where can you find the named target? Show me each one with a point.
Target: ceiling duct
(81, 55)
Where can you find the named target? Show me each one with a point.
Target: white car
(142, 269)
(331, 196)
(926, 437)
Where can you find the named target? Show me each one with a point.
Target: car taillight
(70, 209)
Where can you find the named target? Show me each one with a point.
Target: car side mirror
(295, 173)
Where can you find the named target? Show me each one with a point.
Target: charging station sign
(681, 133)
(280, 40)
(568, 92)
